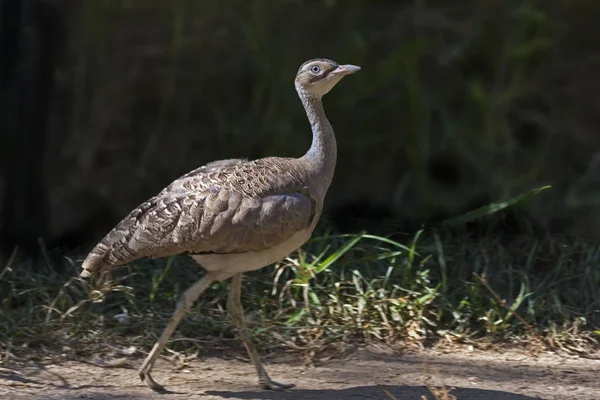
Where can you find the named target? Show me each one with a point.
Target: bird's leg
(184, 304)
(236, 312)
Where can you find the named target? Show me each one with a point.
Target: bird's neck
(320, 159)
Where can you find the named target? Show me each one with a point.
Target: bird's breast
(231, 264)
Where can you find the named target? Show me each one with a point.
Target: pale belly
(227, 265)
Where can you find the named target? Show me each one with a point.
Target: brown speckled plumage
(230, 206)
(234, 215)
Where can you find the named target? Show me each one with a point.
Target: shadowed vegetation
(457, 106)
(338, 289)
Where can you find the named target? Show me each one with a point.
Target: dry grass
(343, 289)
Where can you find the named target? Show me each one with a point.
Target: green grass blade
(336, 255)
(492, 208)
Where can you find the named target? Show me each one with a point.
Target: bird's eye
(315, 69)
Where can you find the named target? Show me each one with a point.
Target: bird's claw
(146, 377)
(272, 385)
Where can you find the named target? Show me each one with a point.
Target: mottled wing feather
(211, 218)
(201, 176)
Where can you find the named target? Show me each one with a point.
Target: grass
(441, 286)
(337, 291)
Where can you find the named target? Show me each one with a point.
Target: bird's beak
(345, 69)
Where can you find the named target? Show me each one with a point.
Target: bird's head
(318, 76)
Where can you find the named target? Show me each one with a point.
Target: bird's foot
(146, 377)
(272, 385)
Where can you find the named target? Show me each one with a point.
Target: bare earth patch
(365, 374)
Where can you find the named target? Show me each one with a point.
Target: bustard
(233, 216)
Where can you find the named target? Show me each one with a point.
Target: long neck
(320, 159)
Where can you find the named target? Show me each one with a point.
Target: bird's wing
(201, 177)
(206, 218)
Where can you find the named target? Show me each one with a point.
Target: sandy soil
(365, 374)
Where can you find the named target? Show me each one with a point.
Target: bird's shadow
(388, 392)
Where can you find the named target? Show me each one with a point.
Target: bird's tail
(94, 262)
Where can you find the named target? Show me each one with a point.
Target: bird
(233, 216)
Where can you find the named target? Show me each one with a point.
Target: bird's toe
(272, 385)
(152, 384)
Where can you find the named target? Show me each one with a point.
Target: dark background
(458, 104)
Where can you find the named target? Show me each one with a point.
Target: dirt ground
(365, 374)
